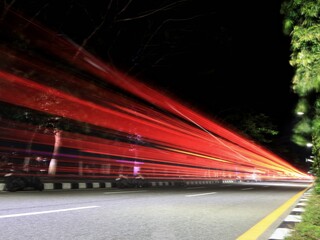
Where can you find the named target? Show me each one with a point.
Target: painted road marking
(200, 194)
(45, 212)
(258, 229)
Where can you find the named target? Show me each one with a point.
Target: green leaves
(302, 22)
(256, 125)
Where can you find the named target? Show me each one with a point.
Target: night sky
(216, 56)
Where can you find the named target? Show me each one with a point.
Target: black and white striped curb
(287, 226)
(96, 185)
(70, 185)
(188, 183)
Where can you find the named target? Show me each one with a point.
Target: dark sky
(217, 56)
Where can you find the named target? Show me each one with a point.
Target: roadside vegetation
(309, 228)
(301, 21)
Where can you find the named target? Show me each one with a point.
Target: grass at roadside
(309, 228)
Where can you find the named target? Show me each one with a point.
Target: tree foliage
(256, 126)
(302, 22)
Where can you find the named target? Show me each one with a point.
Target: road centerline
(46, 212)
(200, 194)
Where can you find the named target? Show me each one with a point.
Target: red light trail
(138, 127)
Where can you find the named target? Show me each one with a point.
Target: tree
(257, 126)
(260, 127)
(19, 49)
(302, 23)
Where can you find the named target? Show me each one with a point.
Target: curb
(76, 185)
(287, 226)
(96, 185)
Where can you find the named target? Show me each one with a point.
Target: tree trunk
(57, 143)
(27, 158)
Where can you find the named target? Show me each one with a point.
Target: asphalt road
(222, 212)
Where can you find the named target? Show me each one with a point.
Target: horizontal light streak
(143, 128)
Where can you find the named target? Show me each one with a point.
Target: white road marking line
(200, 194)
(45, 212)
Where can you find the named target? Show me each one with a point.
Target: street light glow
(309, 145)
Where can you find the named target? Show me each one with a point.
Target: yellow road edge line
(254, 232)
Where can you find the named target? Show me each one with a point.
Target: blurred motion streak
(114, 124)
